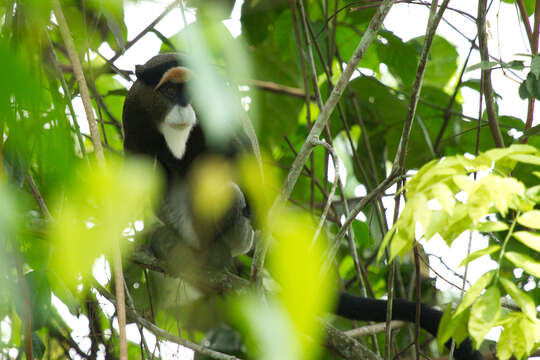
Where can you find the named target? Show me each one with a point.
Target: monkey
(159, 122)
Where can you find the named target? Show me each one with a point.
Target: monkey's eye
(170, 90)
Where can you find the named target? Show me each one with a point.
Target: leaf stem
(506, 239)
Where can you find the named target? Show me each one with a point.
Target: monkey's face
(175, 116)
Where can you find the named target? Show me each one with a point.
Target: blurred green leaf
(101, 204)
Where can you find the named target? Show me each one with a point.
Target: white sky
(506, 39)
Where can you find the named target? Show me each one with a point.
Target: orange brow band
(178, 74)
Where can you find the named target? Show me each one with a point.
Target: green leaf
(452, 326)
(479, 201)
(445, 196)
(457, 224)
(519, 337)
(475, 290)
(400, 57)
(530, 219)
(475, 255)
(525, 302)
(523, 91)
(442, 64)
(40, 298)
(523, 261)
(492, 226)
(484, 314)
(38, 347)
(526, 158)
(484, 65)
(515, 65)
(535, 65)
(361, 233)
(530, 239)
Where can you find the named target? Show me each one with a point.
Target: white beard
(176, 128)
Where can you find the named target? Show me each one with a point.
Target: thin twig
(447, 113)
(26, 306)
(65, 88)
(335, 159)
(133, 41)
(280, 89)
(37, 195)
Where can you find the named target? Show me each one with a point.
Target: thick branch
(525, 21)
(486, 75)
(345, 346)
(79, 75)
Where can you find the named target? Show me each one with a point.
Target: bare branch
(486, 76)
(373, 329)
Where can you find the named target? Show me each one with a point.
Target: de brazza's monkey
(159, 122)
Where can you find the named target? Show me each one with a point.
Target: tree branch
(85, 95)
(159, 332)
(486, 75)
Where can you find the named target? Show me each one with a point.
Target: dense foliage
(63, 212)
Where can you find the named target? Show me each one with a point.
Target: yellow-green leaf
(519, 337)
(475, 255)
(523, 261)
(452, 326)
(528, 238)
(525, 302)
(464, 182)
(475, 290)
(484, 314)
(492, 226)
(526, 158)
(445, 196)
(530, 219)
